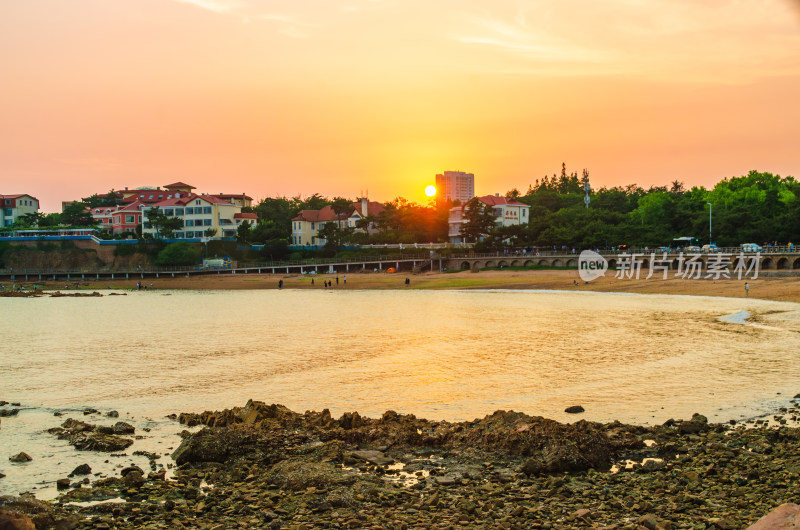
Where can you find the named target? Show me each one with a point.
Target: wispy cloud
(657, 38)
(218, 6)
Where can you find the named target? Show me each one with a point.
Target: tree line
(758, 207)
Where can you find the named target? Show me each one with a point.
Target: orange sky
(303, 96)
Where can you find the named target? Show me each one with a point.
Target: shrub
(181, 253)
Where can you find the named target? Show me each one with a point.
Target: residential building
(308, 223)
(239, 218)
(241, 200)
(15, 206)
(103, 217)
(221, 213)
(456, 186)
(200, 214)
(125, 219)
(507, 212)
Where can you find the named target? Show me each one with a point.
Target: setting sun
(430, 191)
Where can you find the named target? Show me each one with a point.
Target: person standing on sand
(747, 289)
(280, 284)
(337, 280)
(344, 280)
(312, 282)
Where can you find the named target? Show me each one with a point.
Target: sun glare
(430, 191)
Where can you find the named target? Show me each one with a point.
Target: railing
(325, 262)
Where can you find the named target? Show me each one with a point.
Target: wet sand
(766, 287)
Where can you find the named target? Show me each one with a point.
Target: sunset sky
(296, 97)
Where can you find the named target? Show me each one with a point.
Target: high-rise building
(456, 185)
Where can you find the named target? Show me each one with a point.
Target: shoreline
(774, 288)
(266, 466)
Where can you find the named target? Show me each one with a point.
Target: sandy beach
(766, 287)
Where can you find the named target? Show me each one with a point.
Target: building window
(128, 218)
(206, 222)
(313, 240)
(312, 227)
(197, 202)
(207, 209)
(178, 211)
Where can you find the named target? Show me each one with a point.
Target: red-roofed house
(179, 187)
(239, 218)
(15, 206)
(307, 224)
(507, 212)
(242, 200)
(201, 214)
(125, 219)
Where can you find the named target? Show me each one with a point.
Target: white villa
(507, 212)
(307, 224)
(15, 206)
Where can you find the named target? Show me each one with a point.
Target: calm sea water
(452, 355)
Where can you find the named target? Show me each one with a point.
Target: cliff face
(22, 257)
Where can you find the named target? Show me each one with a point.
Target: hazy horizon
(340, 98)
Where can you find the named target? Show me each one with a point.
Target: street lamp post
(709, 222)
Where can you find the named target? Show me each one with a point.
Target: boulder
(15, 521)
(134, 479)
(62, 483)
(122, 427)
(131, 469)
(21, 457)
(77, 425)
(784, 517)
(8, 412)
(574, 409)
(96, 441)
(350, 420)
(82, 469)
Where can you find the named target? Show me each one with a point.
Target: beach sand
(767, 287)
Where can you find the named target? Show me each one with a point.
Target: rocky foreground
(264, 466)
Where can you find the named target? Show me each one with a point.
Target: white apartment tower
(456, 185)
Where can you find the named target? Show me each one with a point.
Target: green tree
(334, 236)
(480, 221)
(243, 232)
(341, 207)
(181, 253)
(95, 201)
(164, 226)
(31, 219)
(76, 214)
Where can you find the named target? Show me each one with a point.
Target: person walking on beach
(337, 280)
(747, 289)
(312, 282)
(280, 284)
